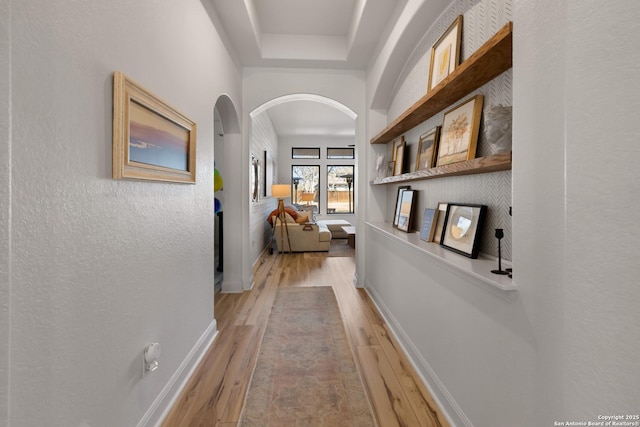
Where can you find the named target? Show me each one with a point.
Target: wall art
(427, 149)
(151, 140)
(463, 228)
(445, 54)
(460, 132)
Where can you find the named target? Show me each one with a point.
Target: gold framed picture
(151, 140)
(459, 135)
(445, 54)
(397, 154)
(427, 149)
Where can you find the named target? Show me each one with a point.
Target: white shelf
(479, 269)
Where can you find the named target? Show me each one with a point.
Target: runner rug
(305, 374)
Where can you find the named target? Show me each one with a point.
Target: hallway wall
(98, 268)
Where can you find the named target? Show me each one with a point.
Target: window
(340, 189)
(305, 153)
(305, 180)
(341, 153)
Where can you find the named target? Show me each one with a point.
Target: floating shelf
(489, 61)
(476, 269)
(493, 163)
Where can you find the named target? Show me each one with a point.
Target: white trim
(160, 408)
(305, 97)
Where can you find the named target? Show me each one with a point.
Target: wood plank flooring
(215, 394)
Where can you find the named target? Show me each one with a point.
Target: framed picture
(397, 154)
(445, 54)
(427, 149)
(442, 212)
(406, 209)
(460, 132)
(396, 215)
(269, 167)
(429, 221)
(151, 140)
(255, 179)
(391, 168)
(462, 228)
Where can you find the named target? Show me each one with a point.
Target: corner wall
(99, 268)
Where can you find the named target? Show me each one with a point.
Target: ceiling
(306, 33)
(334, 34)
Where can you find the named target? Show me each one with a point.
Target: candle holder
(499, 235)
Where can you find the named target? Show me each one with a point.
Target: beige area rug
(338, 248)
(305, 374)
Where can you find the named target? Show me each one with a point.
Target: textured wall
(99, 267)
(263, 137)
(481, 20)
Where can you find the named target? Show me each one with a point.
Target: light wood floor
(215, 395)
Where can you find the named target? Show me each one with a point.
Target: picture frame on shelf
(459, 134)
(397, 154)
(396, 211)
(427, 149)
(391, 168)
(429, 221)
(442, 212)
(462, 228)
(445, 54)
(151, 139)
(405, 215)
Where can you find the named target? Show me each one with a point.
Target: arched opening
(227, 146)
(302, 121)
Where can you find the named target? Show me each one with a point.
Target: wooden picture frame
(397, 154)
(151, 140)
(405, 215)
(396, 214)
(442, 212)
(445, 54)
(463, 228)
(460, 128)
(427, 149)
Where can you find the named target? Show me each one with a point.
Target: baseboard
(232, 287)
(160, 408)
(445, 401)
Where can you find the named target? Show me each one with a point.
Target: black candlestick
(499, 236)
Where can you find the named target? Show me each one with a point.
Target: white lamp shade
(281, 190)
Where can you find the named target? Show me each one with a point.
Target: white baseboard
(443, 398)
(160, 408)
(232, 287)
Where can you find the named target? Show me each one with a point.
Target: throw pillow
(302, 218)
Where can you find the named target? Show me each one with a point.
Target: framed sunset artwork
(151, 140)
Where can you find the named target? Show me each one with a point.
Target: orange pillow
(292, 212)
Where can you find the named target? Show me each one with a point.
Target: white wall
(563, 347)
(577, 279)
(263, 138)
(5, 209)
(98, 267)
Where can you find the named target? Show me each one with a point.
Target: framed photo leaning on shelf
(462, 228)
(397, 154)
(445, 54)
(405, 215)
(460, 128)
(396, 214)
(442, 212)
(427, 149)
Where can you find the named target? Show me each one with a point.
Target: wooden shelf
(489, 61)
(494, 163)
